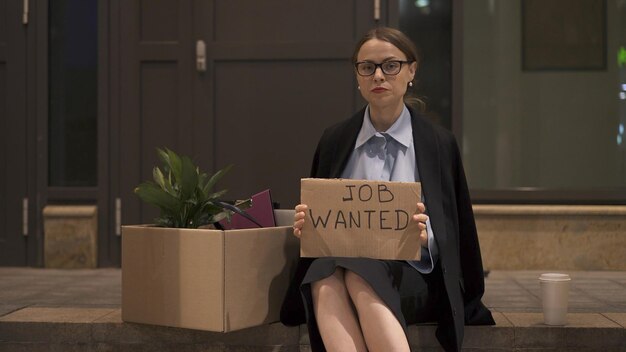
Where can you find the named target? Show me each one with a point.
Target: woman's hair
(402, 42)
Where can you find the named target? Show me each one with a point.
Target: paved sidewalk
(590, 291)
(28, 287)
(506, 291)
(45, 309)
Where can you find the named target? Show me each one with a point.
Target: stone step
(101, 329)
(556, 237)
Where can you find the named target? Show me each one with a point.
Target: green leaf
(175, 165)
(164, 222)
(153, 194)
(210, 208)
(189, 178)
(169, 182)
(157, 175)
(244, 204)
(216, 195)
(202, 180)
(216, 177)
(165, 158)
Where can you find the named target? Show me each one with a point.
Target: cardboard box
(205, 279)
(360, 218)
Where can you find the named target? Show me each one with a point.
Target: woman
(361, 304)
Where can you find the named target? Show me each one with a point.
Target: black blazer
(451, 216)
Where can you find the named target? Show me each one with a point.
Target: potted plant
(185, 195)
(178, 273)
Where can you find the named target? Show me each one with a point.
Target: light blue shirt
(367, 161)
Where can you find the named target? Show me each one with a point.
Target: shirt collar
(401, 130)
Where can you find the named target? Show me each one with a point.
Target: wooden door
(13, 136)
(280, 72)
(155, 94)
(277, 73)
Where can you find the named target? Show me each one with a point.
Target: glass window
(544, 98)
(73, 39)
(429, 24)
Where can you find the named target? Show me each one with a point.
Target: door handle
(118, 216)
(24, 216)
(376, 10)
(25, 12)
(200, 56)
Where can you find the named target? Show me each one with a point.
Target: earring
(410, 84)
(358, 87)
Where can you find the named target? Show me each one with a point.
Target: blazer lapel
(345, 144)
(427, 155)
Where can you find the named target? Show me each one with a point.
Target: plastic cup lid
(554, 277)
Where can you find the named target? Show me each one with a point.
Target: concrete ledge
(71, 236)
(598, 210)
(101, 329)
(552, 237)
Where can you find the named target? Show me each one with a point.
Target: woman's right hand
(298, 219)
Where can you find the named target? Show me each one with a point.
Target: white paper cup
(554, 297)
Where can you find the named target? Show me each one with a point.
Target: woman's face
(381, 89)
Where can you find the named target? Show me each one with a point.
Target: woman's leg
(381, 328)
(336, 320)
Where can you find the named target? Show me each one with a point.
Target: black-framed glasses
(391, 67)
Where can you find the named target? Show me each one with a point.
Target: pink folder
(261, 210)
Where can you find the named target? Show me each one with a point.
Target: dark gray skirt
(409, 294)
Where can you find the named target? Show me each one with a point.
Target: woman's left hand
(421, 219)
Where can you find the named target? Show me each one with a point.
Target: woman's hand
(298, 219)
(421, 219)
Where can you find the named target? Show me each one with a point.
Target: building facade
(535, 92)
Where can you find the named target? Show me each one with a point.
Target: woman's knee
(357, 287)
(334, 283)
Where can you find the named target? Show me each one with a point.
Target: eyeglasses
(391, 67)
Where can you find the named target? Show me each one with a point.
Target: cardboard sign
(358, 218)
